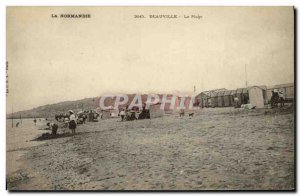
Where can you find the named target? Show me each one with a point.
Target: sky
(58, 59)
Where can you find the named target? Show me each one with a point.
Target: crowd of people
(71, 120)
(134, 113)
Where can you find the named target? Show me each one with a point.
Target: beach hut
(210, 98)
(242, 94)
(264, 91)
(239, 95)
(289, 94)
(204, 99)
(256, 97)
(232, 95)
(227, 98)
(214, 99)
(245, 96)
(220, 96)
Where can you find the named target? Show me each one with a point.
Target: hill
(49, 110)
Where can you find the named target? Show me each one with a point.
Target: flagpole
(246, 75)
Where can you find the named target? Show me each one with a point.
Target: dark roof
(232, 92)
(281, 86)
(239, 90)
(227, 92)
(211, 93)
(221, 93)
(261, 87)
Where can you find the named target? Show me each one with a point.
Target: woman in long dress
(72, 123)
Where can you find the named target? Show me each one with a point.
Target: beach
(217, 149)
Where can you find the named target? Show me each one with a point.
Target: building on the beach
(209, 98)
(245, 96)
(232, 94)
(204, 99)
(225, 98)
(220, 98)
(287, 89)
(257, 96)
(228, 100)
(242, 95)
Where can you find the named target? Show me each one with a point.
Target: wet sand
(18, 141)
(221, 148)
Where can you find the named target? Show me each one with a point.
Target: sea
(19, 139)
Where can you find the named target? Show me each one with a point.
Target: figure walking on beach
(72, 123)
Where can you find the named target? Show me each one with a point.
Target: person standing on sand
(72, 123)
(281, 99)
(122, 114)
(236, 102)
(274, 99)
(181, 113)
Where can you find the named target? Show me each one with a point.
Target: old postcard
(150, 98)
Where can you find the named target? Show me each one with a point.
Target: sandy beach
(221, 148)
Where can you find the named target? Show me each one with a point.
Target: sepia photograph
(150, 98)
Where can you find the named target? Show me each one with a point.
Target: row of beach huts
(258, 96)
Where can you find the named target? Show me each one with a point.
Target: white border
(151, 2)
(5, 3)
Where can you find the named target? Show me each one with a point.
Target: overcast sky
(58, 59)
